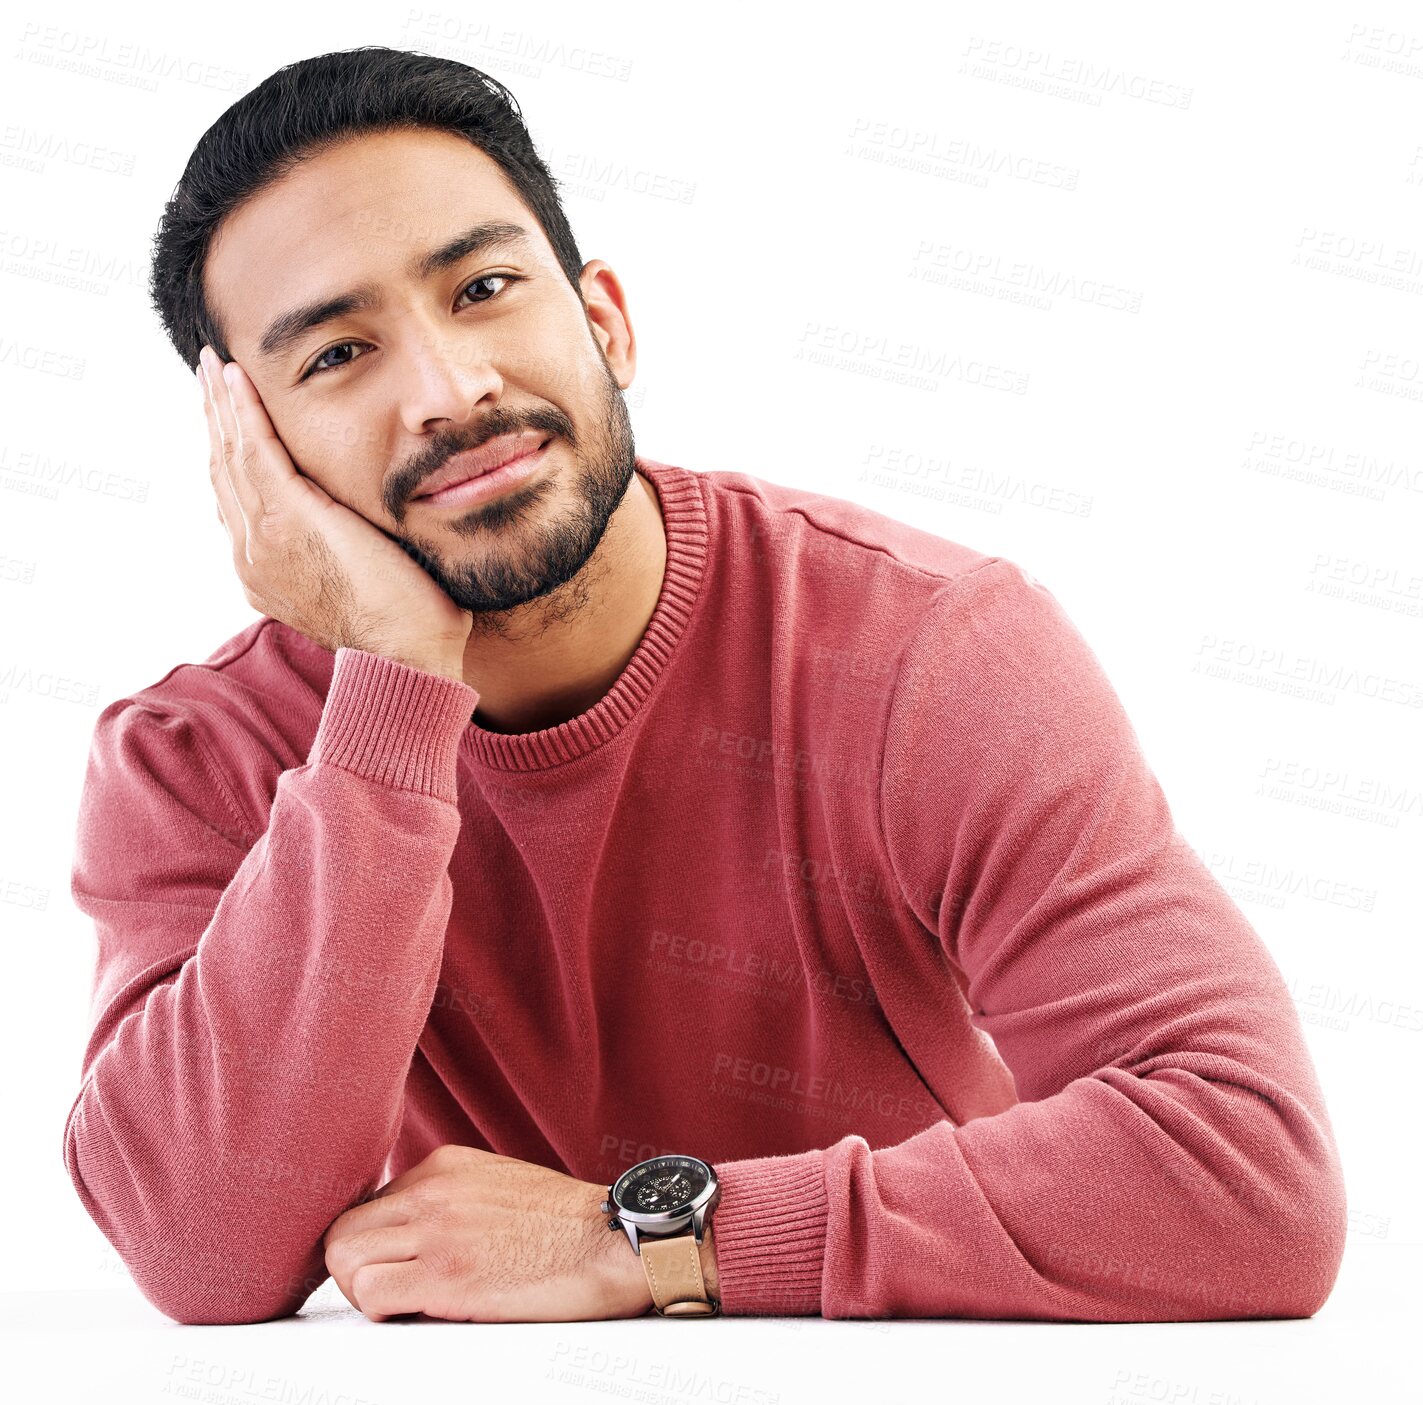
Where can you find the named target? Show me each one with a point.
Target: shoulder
(229, 724)
(997, 626)
(839, 575)
(835, 527)
(1001, 687)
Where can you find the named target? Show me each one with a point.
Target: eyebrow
(291, 326)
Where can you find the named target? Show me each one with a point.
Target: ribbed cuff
(393, 723)
(769, 1232)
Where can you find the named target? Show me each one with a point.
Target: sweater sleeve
(1170, 1157)
(258, 991)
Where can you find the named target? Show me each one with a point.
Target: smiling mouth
(492, 482)
(475, 477)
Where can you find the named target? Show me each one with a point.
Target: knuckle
(444, 1261)
(427, 1195)
(430, 1202)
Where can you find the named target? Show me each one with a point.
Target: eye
(492, 278)
(317, 368)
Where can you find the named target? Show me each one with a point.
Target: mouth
(482, 473)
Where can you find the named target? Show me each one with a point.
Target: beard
(526, 557)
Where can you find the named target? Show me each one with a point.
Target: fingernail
(229, 373)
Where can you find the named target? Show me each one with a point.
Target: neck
(556, 656)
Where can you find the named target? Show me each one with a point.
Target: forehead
(356, 212)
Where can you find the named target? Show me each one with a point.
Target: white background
(1130, 296)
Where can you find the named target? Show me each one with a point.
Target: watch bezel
(654, 1219)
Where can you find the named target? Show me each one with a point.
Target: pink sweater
(856, 884)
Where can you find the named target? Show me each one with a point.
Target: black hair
(307, 107)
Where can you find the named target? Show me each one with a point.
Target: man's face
(482, 342)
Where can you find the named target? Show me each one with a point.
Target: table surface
(108, 1344)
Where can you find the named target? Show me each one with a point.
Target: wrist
(453, 670)
(444, 665)
(625, 1289)
(624, 1274)
(688, 1191)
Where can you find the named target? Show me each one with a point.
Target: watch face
(666, 1185)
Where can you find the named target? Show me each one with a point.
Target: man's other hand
(471, 1236)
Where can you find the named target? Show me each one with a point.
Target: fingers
(368, 1215)
(261, 453)
(229, 511)
(366, 1254)
(240, 486)
(390, 1289)
(239, 447)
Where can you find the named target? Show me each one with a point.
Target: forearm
(254, 1093)
(1169, 1156)
(1191, 1190)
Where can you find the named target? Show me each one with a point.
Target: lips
(475, 463)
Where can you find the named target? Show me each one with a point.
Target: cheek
(543, 352)
(331, 445)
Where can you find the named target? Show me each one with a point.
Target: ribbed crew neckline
(684, 519)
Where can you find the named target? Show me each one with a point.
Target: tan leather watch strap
(674, 1273)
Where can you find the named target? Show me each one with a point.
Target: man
(599, 825)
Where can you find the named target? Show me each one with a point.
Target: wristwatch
(662, 1205)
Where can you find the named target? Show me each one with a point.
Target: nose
(442, 379)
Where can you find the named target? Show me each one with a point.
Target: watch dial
(665, 1185)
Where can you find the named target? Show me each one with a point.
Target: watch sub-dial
(663, 1192)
